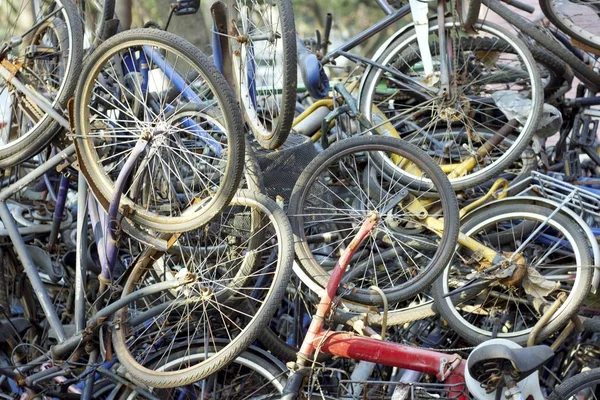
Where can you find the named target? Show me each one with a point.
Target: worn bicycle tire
(287, 104)
(548, 9)
(100, 183)
(108, 13)
(396, 48)
(444, 304)
(468, 12)
(574, 384)
(248, 358)
(254, 327)
(317, 277)
(28, 146)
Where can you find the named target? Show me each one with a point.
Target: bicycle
(412, 88)
(342, 183)
(492, 367)
(242, 257)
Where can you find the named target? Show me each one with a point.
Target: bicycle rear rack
(583, 201)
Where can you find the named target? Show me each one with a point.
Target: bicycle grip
(327, 32)
(521, 6)
(186, 7)
(313, 75)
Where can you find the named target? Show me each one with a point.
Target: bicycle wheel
(153, 84)
(492, 62)
(578, 19)
(94, 14)
(332, 198)
(584, 386)
(553, 257)
(42, 44)
(232, 287)
(250, 375)
(264, 65)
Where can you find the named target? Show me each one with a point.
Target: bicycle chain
(34, 108)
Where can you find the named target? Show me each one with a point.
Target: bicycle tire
(253, 175)
(581, 70)
(557, 76)
(247, 72)
(398, 49)
(556, 69)
(494, 215)
(316, 276)
(248, 333)
(92, 158)
(272, 374)
(575, 385)
(45, 129)
(572, 28)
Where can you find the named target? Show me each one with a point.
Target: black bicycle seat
(489, 364)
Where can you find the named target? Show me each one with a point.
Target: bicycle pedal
(572, 165)
(584, 131)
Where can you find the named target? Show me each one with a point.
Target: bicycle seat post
(513, 392)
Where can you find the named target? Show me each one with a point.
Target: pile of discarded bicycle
(421, 223)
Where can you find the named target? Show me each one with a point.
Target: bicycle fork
(307, 349)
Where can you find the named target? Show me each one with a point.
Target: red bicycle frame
(448, 368)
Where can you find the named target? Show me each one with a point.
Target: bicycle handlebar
(185, 7)
(326, 33)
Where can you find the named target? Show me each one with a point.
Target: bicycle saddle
(489, 364)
